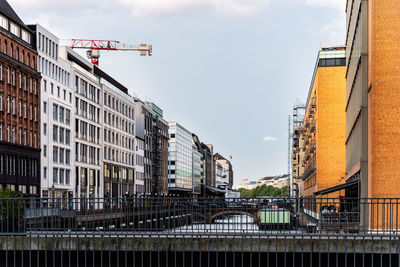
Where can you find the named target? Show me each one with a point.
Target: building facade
(180, 158)
(140, 147)
(372, 97)
(223, 172)
(159, 150)
(57, 118)
(19, 105)
(324, 123)
(118, 138)
(88, 141)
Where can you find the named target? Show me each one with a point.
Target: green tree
(11, 205)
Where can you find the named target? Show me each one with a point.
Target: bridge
(209, 215)
(183, 232)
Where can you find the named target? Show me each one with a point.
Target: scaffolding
(296, 120)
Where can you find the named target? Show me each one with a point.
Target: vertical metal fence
(173, 231)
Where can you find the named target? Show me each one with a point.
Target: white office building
(57, 118)
(118, 139)
(87, 127)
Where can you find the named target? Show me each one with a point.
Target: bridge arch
(252, 214)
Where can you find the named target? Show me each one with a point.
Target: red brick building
(19, 105)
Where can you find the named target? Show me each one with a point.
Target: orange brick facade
(384, 98)
(326, 114)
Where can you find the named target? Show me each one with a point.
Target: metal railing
(174, 231)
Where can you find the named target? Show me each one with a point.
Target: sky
(227, 70)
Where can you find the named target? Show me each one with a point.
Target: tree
(264, 191)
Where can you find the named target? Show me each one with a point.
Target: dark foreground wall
(121, 250)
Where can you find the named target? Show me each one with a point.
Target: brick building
(373, 97)
(19, 105)
(323, 134)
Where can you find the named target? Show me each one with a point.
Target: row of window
(61, 155)
(15, 53)
(53, 71)
(119, 123)
(22, 133)
(87, 110)
(118, 156)
(24, 82)
(118, 139)
(64, 95)
(21, 166)
(61, 114)
(87, 154)
(60, 135)
(119, 106)
(47, 46)
(21, 188)
(87, 90)
(11, 108)
(61, 176)
(87, 131)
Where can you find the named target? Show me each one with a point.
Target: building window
(61, 176)
(45, 129)
(3, 22)
(55, 154)
(61, 135)
(67, 177)
(61, 114)
(67, 137)
(62, 155)
(55, 175)
(13, 105)
(67, 157)
(45, 85)
(44, 150)
(55, 112)
(55, 133)
(44, 107)
(67, 117)
(45, 172)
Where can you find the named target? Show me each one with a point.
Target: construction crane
(94, 47)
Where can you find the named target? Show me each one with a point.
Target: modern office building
(145, 115)
(87, 101)
(180, 158)
(208, 156)
(118, 137)
(19, 105)
(223, 172)
(57, 118)
(139, 147)
(324, 123)
(159, 150)
(197, 165)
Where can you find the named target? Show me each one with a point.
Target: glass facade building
(180, 155)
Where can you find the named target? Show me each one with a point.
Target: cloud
(339, 4)
(221, 7)
(38, 4)
(269, 139)
(334, 32)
